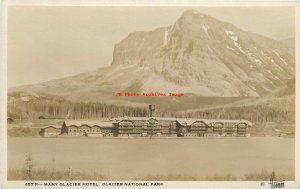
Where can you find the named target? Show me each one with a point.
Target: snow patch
(205, 28)
(230, 48)
(239, 47)
(232, 35)
(253, 58)
(278, 55)
(257, 61)
(272, 60)
(166, 38)
(235, 39)
(229, 32)
(274, 76)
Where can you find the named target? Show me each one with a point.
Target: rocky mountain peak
(199, 50)
(192, 14)
(197, 54)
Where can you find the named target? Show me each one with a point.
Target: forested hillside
(269, 115)
(70, 110)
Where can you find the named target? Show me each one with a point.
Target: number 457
(29, 184)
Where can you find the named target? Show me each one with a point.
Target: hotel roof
(89, 123)
(54, 126)
(181, 121)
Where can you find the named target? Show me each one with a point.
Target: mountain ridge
(197, 54)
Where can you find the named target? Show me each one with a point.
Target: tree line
(71, 110)
(260, 113)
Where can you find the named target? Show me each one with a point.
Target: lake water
(128, 158)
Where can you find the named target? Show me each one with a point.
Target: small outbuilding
(51, 131)
(10, 120)
(42, 117)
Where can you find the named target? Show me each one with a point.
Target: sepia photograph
(151, 93)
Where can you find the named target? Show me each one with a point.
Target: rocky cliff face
(212, 57)
(197, 54)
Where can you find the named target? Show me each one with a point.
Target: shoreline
(148, 138)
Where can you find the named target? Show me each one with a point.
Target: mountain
(198, 54)
(212, 57)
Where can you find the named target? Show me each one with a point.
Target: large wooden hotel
(150, 127)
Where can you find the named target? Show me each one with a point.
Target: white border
(183, 3)
(3, 94)
(297, 96)
(171, 3)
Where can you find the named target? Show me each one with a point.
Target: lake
(128, 158)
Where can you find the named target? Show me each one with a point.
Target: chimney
(151, 110)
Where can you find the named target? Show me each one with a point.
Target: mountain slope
(217, 57)
(198, 54)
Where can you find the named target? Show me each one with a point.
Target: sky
(46, 43)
